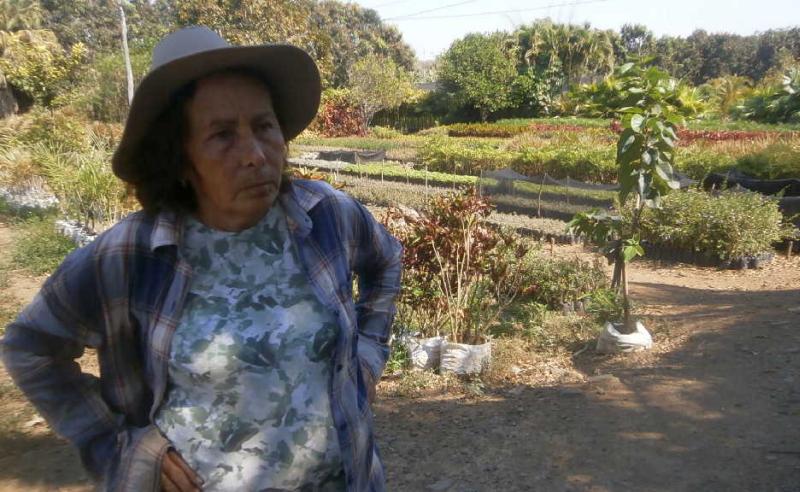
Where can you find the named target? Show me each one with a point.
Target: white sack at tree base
(460, 358)
(425, 353)
(612, 341)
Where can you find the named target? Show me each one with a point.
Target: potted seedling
(645, 167)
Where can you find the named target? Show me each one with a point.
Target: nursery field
(714, 406)
(546, 184)
(550, 413)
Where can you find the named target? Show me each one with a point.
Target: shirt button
(338, 367)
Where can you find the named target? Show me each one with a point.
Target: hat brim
(290, 73)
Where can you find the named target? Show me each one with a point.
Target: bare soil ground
(714, 406)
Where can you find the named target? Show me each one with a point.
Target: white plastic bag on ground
(612, 341)
(425, 353)
(460, 358)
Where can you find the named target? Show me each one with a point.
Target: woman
(232, 355)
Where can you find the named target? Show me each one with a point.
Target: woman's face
(236, 151)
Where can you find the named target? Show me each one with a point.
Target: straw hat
(194, 52)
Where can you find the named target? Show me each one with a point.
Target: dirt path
(715, 405)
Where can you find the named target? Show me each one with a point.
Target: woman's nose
(252, 151)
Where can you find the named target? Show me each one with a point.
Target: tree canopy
(479, 70)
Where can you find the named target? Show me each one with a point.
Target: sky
(430, 26)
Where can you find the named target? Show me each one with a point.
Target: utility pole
(126, 53)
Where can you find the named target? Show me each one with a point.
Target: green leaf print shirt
(248, 404)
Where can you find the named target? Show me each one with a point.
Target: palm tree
(727, 91)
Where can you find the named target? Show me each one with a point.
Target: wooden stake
(789, 249)
(539, 202)
(552, 245)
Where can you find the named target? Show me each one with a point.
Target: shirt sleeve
(378, 264)
(40, 349)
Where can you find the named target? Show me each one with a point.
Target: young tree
(645, 163)
(479, 70)
(377, 83)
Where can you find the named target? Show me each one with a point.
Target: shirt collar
(297, 201)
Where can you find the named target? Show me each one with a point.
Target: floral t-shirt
(250, 365)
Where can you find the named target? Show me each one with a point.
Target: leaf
(629, 252)
(636, 122)
(626, 141)
(625, 68)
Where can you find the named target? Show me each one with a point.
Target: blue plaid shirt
(123, 295)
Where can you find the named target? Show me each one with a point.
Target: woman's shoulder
(136, 231)
(311, 192)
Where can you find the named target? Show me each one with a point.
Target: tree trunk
(628, 323)
(126, 53)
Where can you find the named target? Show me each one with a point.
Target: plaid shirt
(123, 295)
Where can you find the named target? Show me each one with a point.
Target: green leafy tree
(725, 93)
(479, 70)
(637, 40)
(37, 67)
(776, 104)
(645, 162)
(251, 22)
(17, 15)
(577, 50)
(95, 23)
(350, 32)
(377, 83)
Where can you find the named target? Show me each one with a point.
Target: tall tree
(378, 84)
(579, 51)
(637, 40)
(351, 32)
(259, 21)
(18, 15)
(479, 70)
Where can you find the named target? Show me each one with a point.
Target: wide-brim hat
(194, 52)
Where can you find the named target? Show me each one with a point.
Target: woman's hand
(176, 476)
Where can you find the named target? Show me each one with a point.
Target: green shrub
(86, 187)
(384, 133)
(697, 161)
(604, 305)
(462, 156)
(34, 63)
(728, 225)
(61, 130)
(777, 161)
(102, 92)
(560, 158)
(776, 104)
(486, 130)
(584, 163)
(39, 248)
(554, 281)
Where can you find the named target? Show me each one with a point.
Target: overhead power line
(457, 4)
(477, 14)
(393, 2)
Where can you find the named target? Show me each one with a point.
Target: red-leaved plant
(459, 273)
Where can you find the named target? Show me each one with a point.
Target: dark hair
(161, 159)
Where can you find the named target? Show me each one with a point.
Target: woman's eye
(264, 126)
(222, 135)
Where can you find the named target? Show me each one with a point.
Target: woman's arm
(39, 351)
(378, 263)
